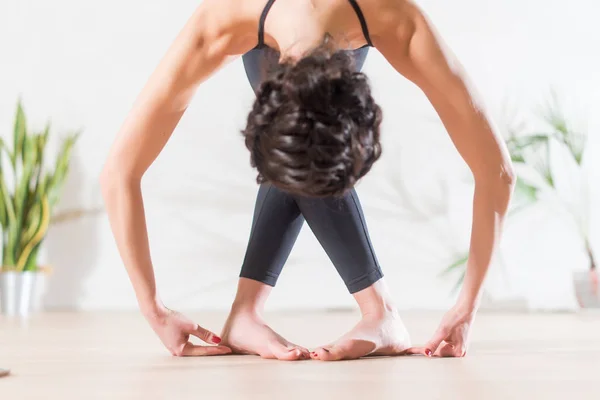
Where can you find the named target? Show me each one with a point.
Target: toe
(291, 355)
(348, 350)
(304, 353)
(327, 354)
(286, 353)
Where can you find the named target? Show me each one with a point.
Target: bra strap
(363, 21)
(261, 24)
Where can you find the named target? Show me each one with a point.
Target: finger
(437, 339)
(451, 350)
(192, 350)
(203, 334)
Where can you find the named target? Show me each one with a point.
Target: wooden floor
(115, 356)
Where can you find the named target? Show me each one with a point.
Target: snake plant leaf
(25, 207)
(3, 212)
(61, 169)
(40, 232)
(19, 134)
(4, 149)
(21, 198)
(32, 223)
(41, 142)
(43, 186)
(29, 164)
(8, 255)
(45, 134)
(3, 206)
(32, 264)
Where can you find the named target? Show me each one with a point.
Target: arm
(416, 52)
(439, 76)
(203, 45)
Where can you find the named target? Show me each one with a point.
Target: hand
(452, 336)
(174, 331)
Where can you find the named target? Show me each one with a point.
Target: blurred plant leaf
(519, 146)
(32, 264)
(457, 264)
(459, 282)
(41, 225)
(10, 237)
(19, 132)
(41, 144)
(525, 192)
(26, 207)
(61, 170)
(3, 212)
(562, 131)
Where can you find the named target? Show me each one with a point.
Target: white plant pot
(586, 289)
(9, 282)
(26, 291)
(17, 292)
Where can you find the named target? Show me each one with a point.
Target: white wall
(83, 63)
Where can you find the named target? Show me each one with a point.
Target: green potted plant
(531, 152)
(29, 190)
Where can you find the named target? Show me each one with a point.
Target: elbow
(108, 181)
(499, 181)
(508, 175)
(114, 177)
(500, 174)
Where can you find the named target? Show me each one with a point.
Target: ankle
(378, 310)
(251, 297)
(376, 302)
(246, 308)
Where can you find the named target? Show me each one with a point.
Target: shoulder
(236, 20)
(232, 11)
(386, 18)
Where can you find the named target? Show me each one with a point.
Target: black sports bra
(259, 61)
(353, 3)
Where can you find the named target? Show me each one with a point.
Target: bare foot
(245, 332)
(381, 335)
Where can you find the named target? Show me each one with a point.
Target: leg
(340, 227)
(275, 227)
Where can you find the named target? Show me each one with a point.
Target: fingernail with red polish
(216, 339)
(428, 352)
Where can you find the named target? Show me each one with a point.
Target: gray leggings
(338, 224)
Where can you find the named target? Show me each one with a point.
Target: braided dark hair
(314, 127)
